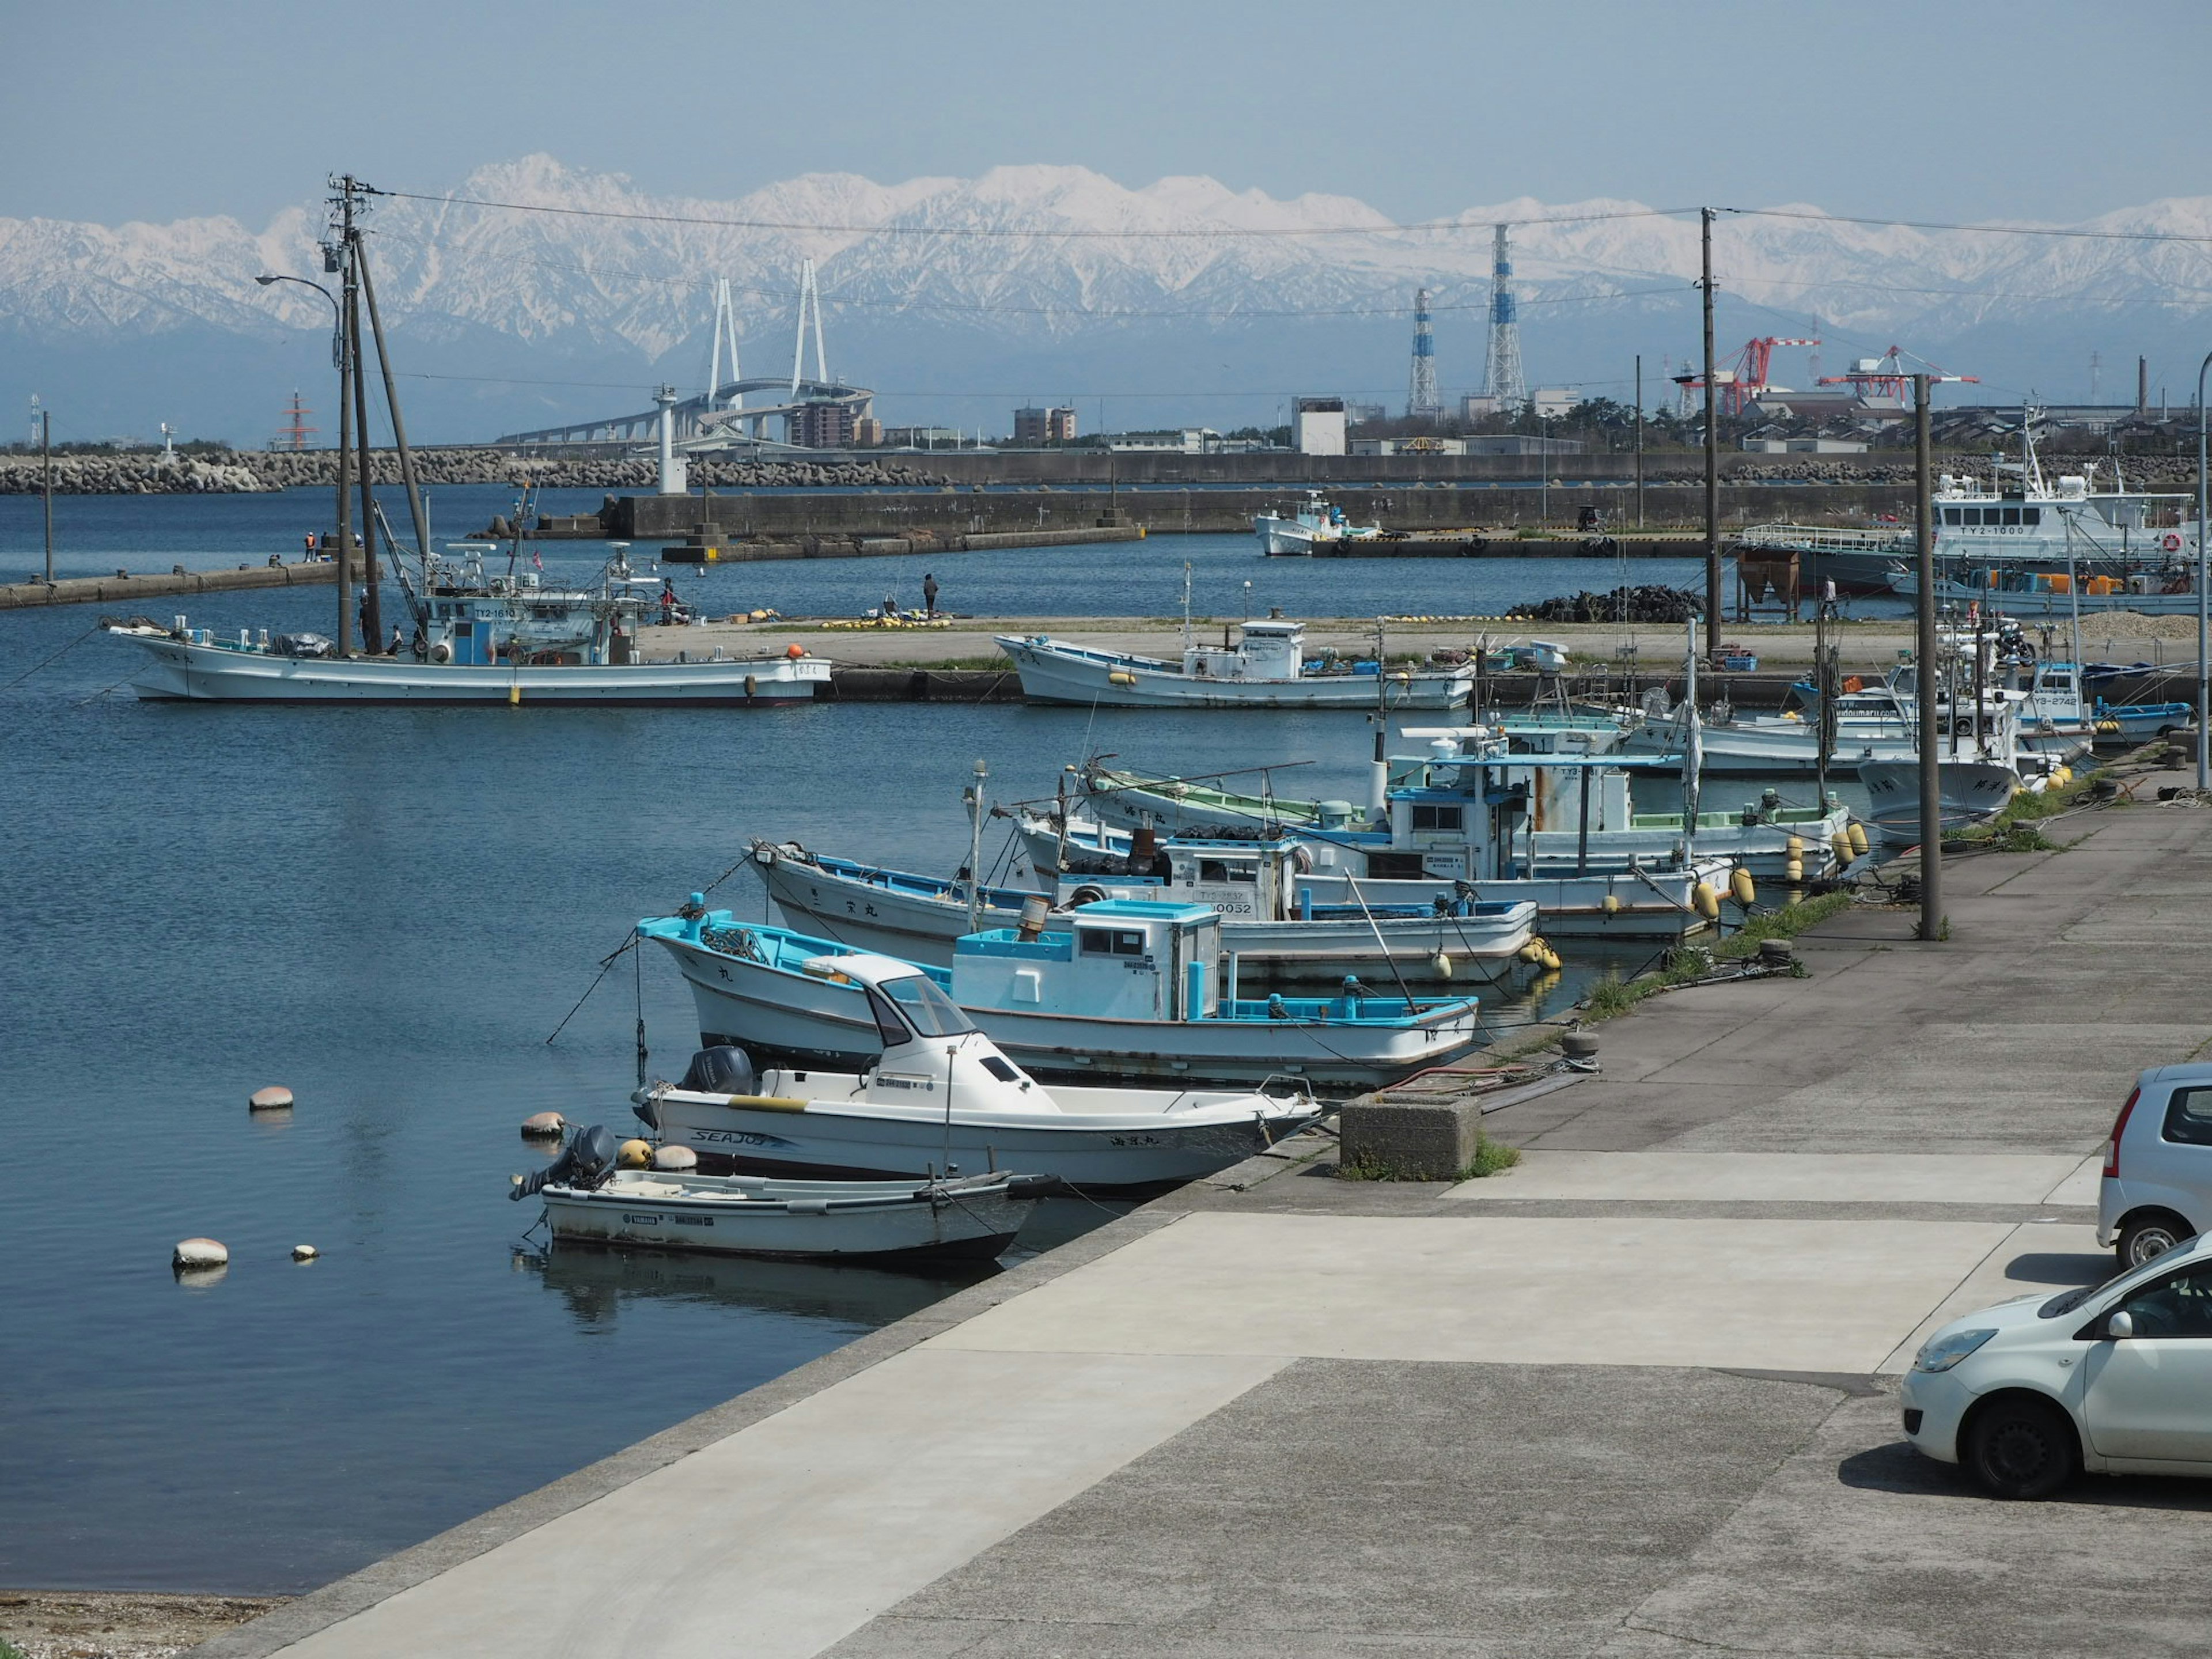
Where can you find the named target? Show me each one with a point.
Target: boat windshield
(928, 1010)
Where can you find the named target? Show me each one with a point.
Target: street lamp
(2203, 598)
(337, 347)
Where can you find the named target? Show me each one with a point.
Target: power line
(1987, 230)
(990, 231)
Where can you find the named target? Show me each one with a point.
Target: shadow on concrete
(1898, 1468)
(2061, 1268)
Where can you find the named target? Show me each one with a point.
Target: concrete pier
(1634, 1398)
(129, 587)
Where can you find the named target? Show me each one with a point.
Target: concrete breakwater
(125, 587)
(866, 546)
(237, 472)
(1497, 511)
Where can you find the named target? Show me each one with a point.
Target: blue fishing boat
(1123, 991)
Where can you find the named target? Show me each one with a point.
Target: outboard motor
(725, 1069)
(585, 1162)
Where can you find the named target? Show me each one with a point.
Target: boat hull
(1058, 674)
(920, 927)
(1762, 848)
(181, 672)
(794, 1220)
(1118, 1153)
(1968, 792)
(806, 1019)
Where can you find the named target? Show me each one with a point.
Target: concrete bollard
(1579, 1045)
(1775, 953)
(1430, 1140)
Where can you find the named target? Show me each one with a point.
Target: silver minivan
(2157, 1189)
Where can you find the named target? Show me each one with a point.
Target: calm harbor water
(388, 911)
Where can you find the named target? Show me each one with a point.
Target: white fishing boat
(1766, 835)
(937, 1098)
(1251, 885)
(502, 638)
(1267, 667)
(1315, 523)
(1128, 991)
(966, 1218)
(1968, 792)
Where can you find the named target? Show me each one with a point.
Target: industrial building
(1318, 426)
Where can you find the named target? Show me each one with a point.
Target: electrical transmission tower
(1503, 382)
(1422, 403)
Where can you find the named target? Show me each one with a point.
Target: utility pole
(1712, 453)
(1931, 813)
(372, 616)
(46, 484)
(346, 370)
(1639, 441)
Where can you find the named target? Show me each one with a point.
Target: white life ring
(2170, 542)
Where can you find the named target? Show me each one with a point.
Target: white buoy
(200, 1253)
(680, 1160)
(305, 1253)
(275, 1098)
(544, 1125)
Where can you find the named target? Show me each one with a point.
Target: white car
(2157, 1189)
(2116, 1379)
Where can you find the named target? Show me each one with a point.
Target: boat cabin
(1250, 880)
(1269, 650)
(1117, 959)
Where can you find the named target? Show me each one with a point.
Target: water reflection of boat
(596, 1283)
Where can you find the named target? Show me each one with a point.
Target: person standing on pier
(928, 595)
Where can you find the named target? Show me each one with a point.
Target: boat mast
(974, 796)
(1693, 745)
(1186, 604)
(415, 510)
(2073, 599)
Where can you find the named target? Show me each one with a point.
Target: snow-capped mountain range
(1183, 301)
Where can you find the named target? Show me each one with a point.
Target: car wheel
(2021, 1447)
(2148, 1236)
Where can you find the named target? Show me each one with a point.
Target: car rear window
(2189, 1117)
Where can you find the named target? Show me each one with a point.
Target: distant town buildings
(1035, 428)
(822, 425)
(1318, 426)
(868, 432)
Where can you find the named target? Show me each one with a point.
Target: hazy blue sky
(1943, 109)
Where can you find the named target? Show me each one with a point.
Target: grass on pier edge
(1490, 1157)
(2016, 827)
(1613, 996)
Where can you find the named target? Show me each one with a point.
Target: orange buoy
(794, 652)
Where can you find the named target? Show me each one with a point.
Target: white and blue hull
(1968, 792)
(806, 1020)
(921, 928)
(1763, 848)
(179, 672)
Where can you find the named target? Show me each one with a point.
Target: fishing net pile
(1636, 605)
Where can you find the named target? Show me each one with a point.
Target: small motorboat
(940, 1098)
(589, 1200)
